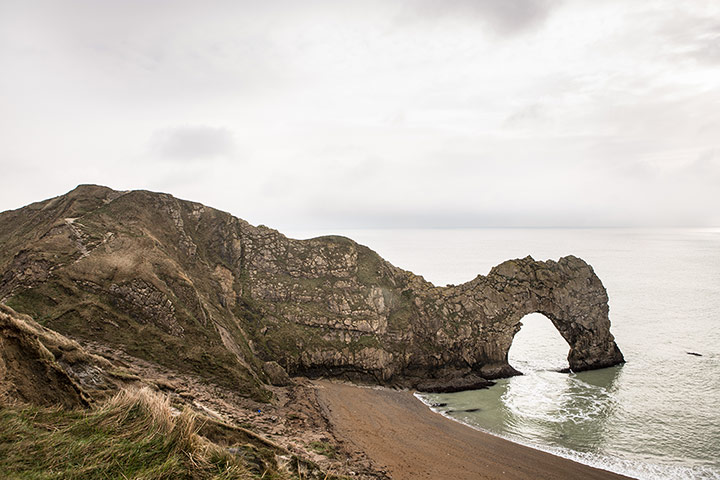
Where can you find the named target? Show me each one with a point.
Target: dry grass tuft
(135, 434)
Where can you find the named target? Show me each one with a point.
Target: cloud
(414, 113)
(193, 143)
(504, 16)
(694, 34)
(707, 48)
(527, 115)
(706, 167)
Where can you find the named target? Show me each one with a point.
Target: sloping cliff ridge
(203, 292)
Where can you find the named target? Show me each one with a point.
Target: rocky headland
(203, 292)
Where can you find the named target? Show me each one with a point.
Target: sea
(655, 417)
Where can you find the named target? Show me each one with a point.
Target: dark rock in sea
(694, 354)
(438, 405)
(470, 382)
(203, 292)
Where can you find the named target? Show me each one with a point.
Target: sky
(371, 114)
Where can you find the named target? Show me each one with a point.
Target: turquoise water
(657, 416)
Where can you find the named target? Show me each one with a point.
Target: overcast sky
(339, 114)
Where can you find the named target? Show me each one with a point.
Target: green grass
(133, 435)
(324, 448)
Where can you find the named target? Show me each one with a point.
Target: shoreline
(540, 448)
(400, 433)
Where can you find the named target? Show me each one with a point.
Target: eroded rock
(42, 367)
(276, 374)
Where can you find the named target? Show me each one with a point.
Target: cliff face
(199, 290)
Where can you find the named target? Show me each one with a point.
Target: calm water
(658, 416)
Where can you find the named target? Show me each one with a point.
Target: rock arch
(568, 292)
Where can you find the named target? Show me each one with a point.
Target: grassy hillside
(121, 269)
(134, 435)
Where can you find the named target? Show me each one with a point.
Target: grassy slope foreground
(135, 434)
(67, 413)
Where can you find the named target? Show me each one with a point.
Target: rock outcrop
(42, 367)
(194, 288)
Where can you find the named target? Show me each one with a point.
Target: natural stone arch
(567, 292)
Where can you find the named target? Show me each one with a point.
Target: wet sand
(398, 432)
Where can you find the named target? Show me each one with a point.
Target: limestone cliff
(194, 288)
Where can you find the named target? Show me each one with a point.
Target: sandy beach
(401, 434)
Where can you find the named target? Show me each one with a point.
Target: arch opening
(538, 345)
